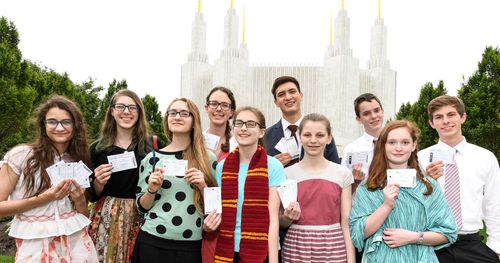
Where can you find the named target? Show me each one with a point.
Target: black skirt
(151, 249)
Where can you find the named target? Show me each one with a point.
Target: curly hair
(43, 148)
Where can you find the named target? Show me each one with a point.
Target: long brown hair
(377, 178)
(140, 133)
(227, 132)
(44, 151)
(195, 154)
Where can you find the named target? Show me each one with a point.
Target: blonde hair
(196, 154)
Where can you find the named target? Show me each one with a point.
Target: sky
(146, 42)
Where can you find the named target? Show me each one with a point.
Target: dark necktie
(293, 128)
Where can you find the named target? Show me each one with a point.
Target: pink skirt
(314, 244)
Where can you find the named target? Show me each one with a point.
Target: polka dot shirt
(173, 214)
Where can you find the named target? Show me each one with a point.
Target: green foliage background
(24, 85)
(481, 96)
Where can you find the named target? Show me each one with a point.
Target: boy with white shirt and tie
(470, 177)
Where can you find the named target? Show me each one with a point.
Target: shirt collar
(285, 123)
(368, 138)
(459, 147)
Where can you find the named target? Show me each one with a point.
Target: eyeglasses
(248, 124)
(52, 123)
(223, 105)
(122, 107)
(182, 113)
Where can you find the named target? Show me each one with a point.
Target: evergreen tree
(16, 97)
(154, 117)
(481, 95)
(417, 112)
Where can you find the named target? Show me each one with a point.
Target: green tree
(481, 95)
(90, 105)
(417, 112)
(16, 97)
(154, 117)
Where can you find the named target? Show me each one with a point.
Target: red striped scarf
(255, 211)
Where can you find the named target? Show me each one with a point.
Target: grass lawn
(6, 259)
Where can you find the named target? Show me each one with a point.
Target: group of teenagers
(344, 212)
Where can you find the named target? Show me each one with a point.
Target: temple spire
(244, 24)
(331, 27)
(199, 6)
(232, 4)
(342, 4)
(378, 15)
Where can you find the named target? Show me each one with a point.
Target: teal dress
(413, 211)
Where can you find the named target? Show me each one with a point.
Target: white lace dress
(54, 232)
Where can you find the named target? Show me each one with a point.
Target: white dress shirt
(288, 133)
(361, 144)
(479, 188)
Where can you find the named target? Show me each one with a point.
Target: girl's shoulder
(273, 162)
(18, 152)
(17, 157)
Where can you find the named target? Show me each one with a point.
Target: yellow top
(232, 4)
(199, 6)
(342, 2)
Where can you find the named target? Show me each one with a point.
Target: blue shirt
(276, 175)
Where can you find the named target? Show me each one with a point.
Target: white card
(123, 161)
(292, 148)
(66, 170)
(280, 146)
(288, 192)
(53, 173)
(357, 157)
(174, 167)
(212, 199)
(211, 141)
(402, 177)
(445, 155)
(82, 173)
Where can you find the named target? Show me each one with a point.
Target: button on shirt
(361, 144)
(479, 184)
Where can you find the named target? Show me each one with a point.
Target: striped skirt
(114, 228)
(306, 244)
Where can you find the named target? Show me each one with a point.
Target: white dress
(54, 232)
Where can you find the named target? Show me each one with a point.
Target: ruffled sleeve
(16, 158)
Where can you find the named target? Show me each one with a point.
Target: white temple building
(329, 89)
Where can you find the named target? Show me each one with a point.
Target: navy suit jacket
(275, 133)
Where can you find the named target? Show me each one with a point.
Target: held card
(123, 161)
(402, 177)
(212, 199)
(175, 167)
